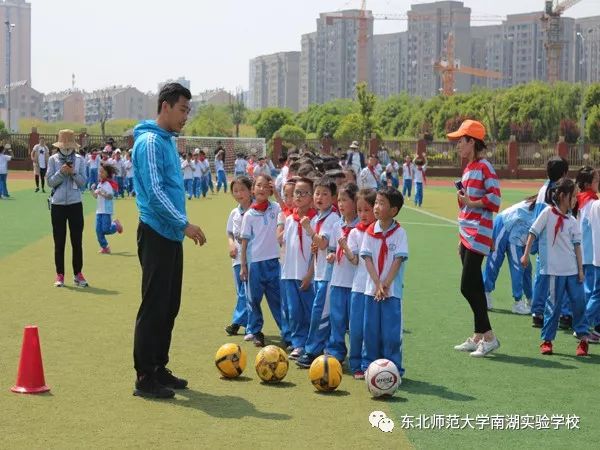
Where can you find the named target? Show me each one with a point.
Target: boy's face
(383, 210)
(365, 211)
(322, 198)
(262, 189)
(288, 195)
(302, 195)
(372, 161)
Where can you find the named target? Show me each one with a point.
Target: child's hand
(305, 222)
(243, 272)
(525, 261)
(306, 282)
(314, 248)
(581, 276)
(233, 251)
(343, 242)
(331, 258)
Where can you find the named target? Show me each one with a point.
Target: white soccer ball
(382, 378)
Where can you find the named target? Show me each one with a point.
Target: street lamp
(583, 76)
(9, 28)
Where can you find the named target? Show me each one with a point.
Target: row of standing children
(197, 176)
(123, 175)
(326, 261)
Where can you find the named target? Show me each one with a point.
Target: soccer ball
(382, 378)
(230, 360)
(271, 364)
(325, 373)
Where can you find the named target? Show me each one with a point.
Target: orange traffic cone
(30, 379)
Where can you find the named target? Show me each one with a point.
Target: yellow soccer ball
(325, 373)
(271, 364)
(230, 360)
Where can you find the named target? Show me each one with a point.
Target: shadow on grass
(91, 290)
(590, 359)
(336, 393)
(544, 362)
(279, 385)
(423, 387)
(390, 399)
(236, 379)
(125, 254)
(223, 406)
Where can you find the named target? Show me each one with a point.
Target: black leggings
(42, 175)
(471, 287)
(74, 215)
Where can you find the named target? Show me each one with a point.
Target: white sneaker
(521, 307)
(528, 302)
(484, 347)
(249, 337)
(490, 300)
(468, 346)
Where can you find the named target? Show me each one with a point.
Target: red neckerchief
(112, 183)
(262, 207)
(201, 158)
(362, 227)
(93, 156)
(321, 220)
(383, 236)
(584, 197)
(372, 170)
(559, 223)
(420, 169)
(287, 211)
(346, 229)
(312, 212)
(334, 207)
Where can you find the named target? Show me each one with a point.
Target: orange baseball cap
(470, 128)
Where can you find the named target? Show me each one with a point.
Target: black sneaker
(165, 377)
(259, 339)
(37, 189)
(232, 330)
(537, 321)
(148, 387)
(305, 360)
(565, 322)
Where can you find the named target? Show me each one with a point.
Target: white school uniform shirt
(594, 218)
(120, 165)
(95, 163)
(355, 240)
(322, 268)
(585, 226)
(203, 167)
(408, 171)
(343, 270)
(418, 175)
(397, 245)
(295, 265)
(264, 170)
(128, 165)
(556, 255)
(285, 170)
(104, 205)
(234, 227)
(42, 151)
(240, 165)
(261, 231)
(197, 169)
(393, 167)
(4, 159)
(188, 169)
(367, 180)
(219, 166)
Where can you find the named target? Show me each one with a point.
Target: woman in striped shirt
(478, 199)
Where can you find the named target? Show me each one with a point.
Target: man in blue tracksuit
(163, 225)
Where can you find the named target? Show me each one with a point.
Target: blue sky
(141, 42)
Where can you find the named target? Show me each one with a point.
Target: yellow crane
(551, 19)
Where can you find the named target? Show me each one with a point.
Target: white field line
(444, 225)
(435, 216)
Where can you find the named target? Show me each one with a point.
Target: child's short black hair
(243, 180)
(394, 196)
(110, 169)
(202, 152)
(556, 168)
(189, 154)
(328, 183)
(368, 195)
(564, 186)
(350, 189)
(304, 169)
(585, 176)
(262, 175)
(419, 161)
(294, 167)
(304, 180)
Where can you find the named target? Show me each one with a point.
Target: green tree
(270, 120)
(591, 97)
(593, 124)
(366, 101)
(291, 133)
(210, 120)
(328, 124)
(350, 128)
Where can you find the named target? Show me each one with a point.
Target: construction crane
(363, 19)
(449, 67)
(554, 45)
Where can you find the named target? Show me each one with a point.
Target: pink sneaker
(60, 280)
(80, 280)
(104, 250)
(119, 226)
(359, 375)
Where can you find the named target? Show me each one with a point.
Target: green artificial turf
(86, 340)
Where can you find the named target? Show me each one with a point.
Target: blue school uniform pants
(3, 187)
(339, 319)
(129, 185)
(204, 185)
(299, 309)
(210, 182)
(240, 313)
(357, 319)
(382, 331)
(520, 278)
(196, 186)
(318, 332)
(121, 185)
(92, 178)
(188, 186)
(558, 287)
(263, 279)
(104, 227)
(592, 293)
(407, 187)
(418, 193)
(540, 295)
(221, 180)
